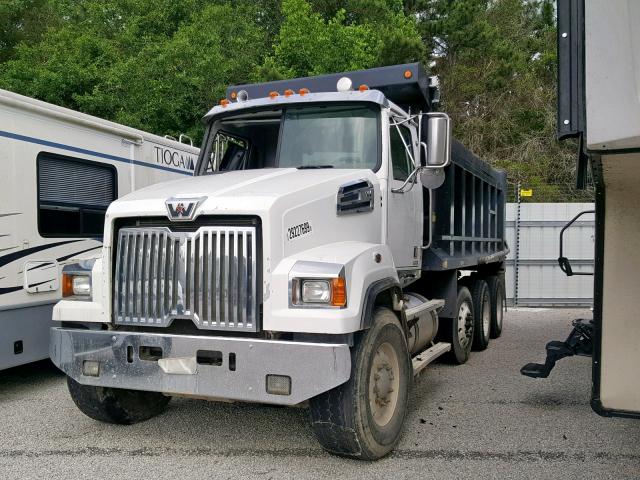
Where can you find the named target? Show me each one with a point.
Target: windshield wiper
(309, 167)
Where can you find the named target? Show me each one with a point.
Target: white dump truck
(599, 104)
(317, 255)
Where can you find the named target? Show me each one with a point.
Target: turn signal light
(338, 292)
(234, 95)
(67, 285)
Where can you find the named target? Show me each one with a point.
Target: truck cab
(306, 261)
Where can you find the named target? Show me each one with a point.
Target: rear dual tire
(458, 331)
(482, 309)
(498, 303)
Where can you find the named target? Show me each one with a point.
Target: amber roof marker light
(408, 74)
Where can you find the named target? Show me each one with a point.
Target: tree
(23, 21)
(340, 36)
(497, 64)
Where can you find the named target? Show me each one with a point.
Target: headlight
(318, 292)
(81, 285)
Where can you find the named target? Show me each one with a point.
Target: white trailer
(599, 104)
(59, 171)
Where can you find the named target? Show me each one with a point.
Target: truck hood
(227, 190)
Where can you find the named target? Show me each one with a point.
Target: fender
(369, 299)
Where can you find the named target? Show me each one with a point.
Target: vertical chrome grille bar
(218, 286)
(168, 269)
(244, 289)
(162, 251)
(137, 305)
(233, 280)
(201, 288)
(147, 245)
(132, 272)
(209, 279)
(153, 279)
(254, 287)
(225, 281)
(121, 272)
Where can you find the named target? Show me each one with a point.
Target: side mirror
(436, 151)
(438, 140)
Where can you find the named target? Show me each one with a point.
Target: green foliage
(309, 45)
(22, 21)
(497, 64)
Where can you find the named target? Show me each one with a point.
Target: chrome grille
(209, 276)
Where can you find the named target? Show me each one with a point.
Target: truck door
(404, 219)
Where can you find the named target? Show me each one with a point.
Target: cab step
(424, 358)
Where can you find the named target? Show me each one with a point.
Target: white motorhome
(59, 171)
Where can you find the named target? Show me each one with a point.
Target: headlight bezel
(329, 275)
(74, 274)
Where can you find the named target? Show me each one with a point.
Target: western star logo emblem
(183, 209)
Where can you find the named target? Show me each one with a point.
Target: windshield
(335, 136)
(338, 137)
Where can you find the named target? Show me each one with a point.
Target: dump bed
(468, 215)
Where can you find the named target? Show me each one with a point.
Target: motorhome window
(73, 196)
(400, 159)
(334, 136)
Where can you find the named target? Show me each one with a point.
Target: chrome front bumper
(313, 367)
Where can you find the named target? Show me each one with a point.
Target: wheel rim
(486, 316)
(499, 308)
(465, 325)
(384, 384)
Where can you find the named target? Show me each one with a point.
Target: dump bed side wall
(468, 215)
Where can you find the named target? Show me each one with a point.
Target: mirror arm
(401, 188)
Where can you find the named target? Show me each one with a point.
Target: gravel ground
(479, 420)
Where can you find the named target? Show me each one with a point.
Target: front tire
(115, 405)
(363, 418)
